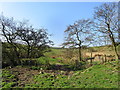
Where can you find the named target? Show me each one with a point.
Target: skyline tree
(80, 33)
(106, 17)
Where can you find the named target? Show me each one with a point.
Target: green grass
(54, 52)
(97, 76)
(8, 79)
(46, 63)
(47, 60)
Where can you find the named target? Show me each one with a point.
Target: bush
(43, 60)
(8, 55)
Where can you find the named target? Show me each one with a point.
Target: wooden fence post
(91, 59)
(102, 57)
(105, 58)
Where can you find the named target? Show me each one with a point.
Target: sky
(53, 16)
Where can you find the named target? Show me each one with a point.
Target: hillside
(98, 76)
(57, 70)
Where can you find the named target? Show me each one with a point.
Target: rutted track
(24, 75)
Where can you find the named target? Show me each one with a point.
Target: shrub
(43, 60)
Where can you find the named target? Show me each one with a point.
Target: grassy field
(55, 72)
(55, 52)
(98, 76)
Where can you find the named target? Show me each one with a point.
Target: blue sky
(54, 16)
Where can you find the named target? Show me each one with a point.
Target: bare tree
(107, 22)
(8, 30)
(22, 38)
(80, 33)
(24, 32)
(40, 42)
(35, 39)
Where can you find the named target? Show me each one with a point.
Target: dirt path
(25, 75)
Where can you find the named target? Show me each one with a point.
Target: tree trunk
(28, 50)
(79, 44)
(115, 50)
(16, 56)
(113, 41)
(80, 53)
(28, 54)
